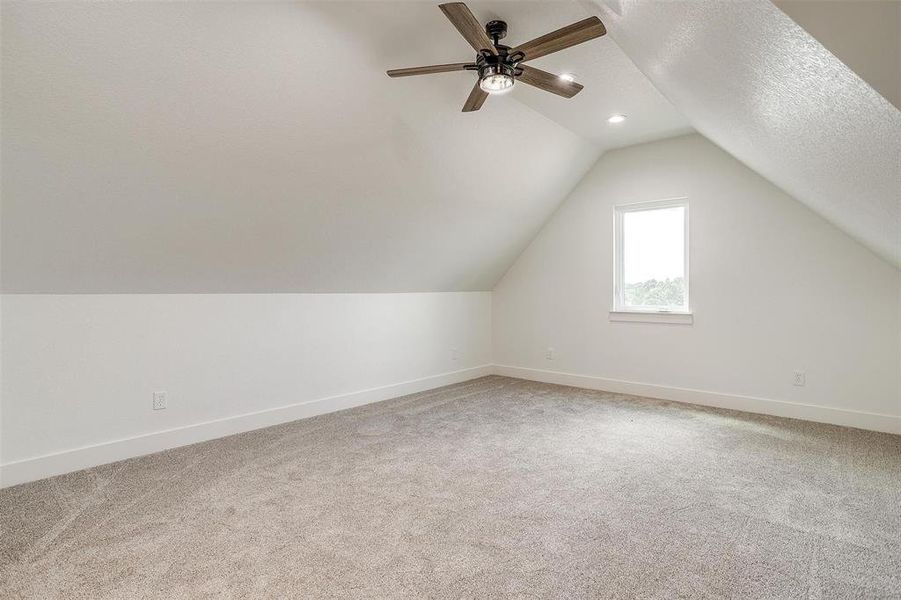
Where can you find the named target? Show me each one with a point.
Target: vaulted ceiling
(866, 36)
(260, 147)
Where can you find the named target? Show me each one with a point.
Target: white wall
(775, 288)
(79, 370)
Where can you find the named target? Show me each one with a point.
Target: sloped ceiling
(613, 85)
(866, 36)
(755, 83)
(260, 147)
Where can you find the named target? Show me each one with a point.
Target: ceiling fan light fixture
(495, 79)
(496, 84)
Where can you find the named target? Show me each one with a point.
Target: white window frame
(621, 312)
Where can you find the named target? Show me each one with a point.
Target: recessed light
(568, 77)
(616, 118)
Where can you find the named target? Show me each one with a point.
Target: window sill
(635, 316)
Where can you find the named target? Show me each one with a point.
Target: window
(652, 257)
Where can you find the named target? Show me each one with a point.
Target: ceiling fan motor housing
(489, 64)
(502, 63)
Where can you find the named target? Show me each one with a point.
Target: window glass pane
(653, 258)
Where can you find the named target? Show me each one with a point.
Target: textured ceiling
(260, 147)
(866, 36)
(754, 82)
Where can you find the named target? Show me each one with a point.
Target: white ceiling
(260, 147)
(866, 36)
(613, 85)
(753, 81)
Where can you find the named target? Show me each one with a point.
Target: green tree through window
(669, 292)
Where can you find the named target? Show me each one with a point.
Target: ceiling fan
(499, 66)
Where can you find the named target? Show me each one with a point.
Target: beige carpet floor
(488, 489)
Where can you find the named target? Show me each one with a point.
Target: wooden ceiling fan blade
(429, 70)
(468, 26)
(563, 38)
(476, 99)
(549, 82)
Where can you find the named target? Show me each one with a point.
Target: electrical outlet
(159, 400)
(800, 378)
(549, 355)
(455, 354)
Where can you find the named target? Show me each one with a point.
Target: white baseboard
(778, 408)
(91, 456)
